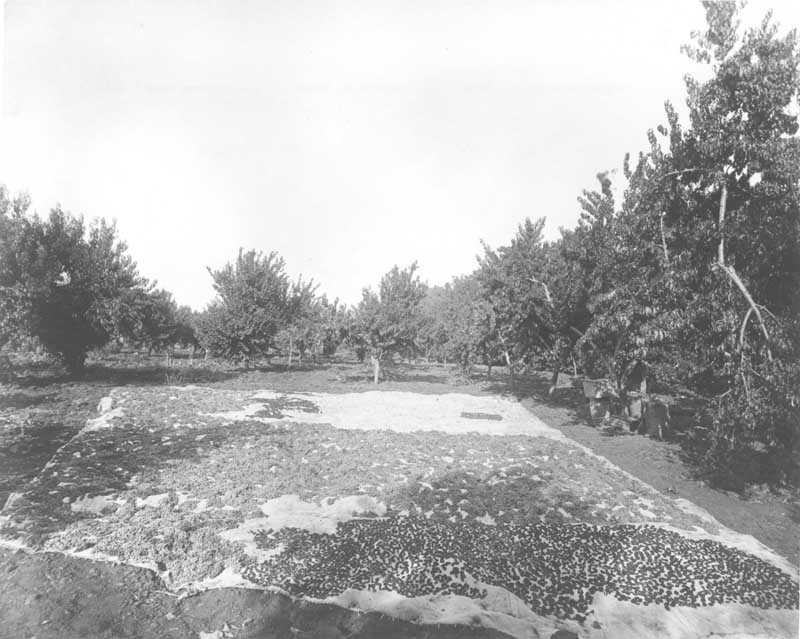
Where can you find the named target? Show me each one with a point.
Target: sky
(347, 136)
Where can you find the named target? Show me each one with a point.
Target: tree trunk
(509, 363)
(376, 369)
(488, 371)
(291, 342)
(506, 355)
(76, 364)
(609, 362)
(554, 379)
(563, 351)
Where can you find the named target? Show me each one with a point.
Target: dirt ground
(772, 518)
(51, 595)
(47, 596)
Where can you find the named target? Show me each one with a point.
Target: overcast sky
(348, 136)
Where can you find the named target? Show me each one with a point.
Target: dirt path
(773, 520)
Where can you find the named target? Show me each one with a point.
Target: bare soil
(772, 517)
(34, 422)
(52, 595)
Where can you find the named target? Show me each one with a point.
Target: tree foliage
(692, 275)
(456, 324)
(254, 301)
(519, 299)
(14, 240)
(388, 322)
(315, 325)
(63, 283)
(738, 173)
(700, 277)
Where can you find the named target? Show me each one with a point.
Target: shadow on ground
(515, 495)
(536, 386)
(399, 374)
(114, 375)
(17, 400)
(102, 462)
(52, 596)
(34, 423)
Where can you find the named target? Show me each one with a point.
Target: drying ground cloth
(433, 508)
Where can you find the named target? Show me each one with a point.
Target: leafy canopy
(253, 303)
(388, 322)
(61, 282)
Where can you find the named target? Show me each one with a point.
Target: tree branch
(546, 290)
(663, 238)
(579, 334)
(744, 326)
(509, 363)
(723, 202)
(682, 172)
(733, 275)
(767, 311)
(746, 385)
(606, 359)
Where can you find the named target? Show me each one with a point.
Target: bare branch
(506, 354)
(546, 290)
(579, 334)
(682, 172)
(733, 275)
(609, 362)
(723, 201)
(746, 385)
(744, 326)
(663, 238)
(767, 311)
